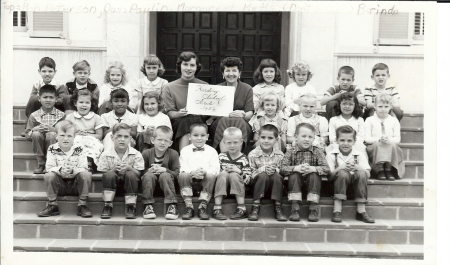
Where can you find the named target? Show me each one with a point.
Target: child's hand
(150, 128)
(350, 166)
(158, 169)
(234, 168)
(247, 180)
(82, 132)
(270, 170)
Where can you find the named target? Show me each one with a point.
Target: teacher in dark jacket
(231, 68)
(175, 94)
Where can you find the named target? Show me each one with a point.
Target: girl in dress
(150, 118)
(89, 125)
(383, 136)
(301, 74)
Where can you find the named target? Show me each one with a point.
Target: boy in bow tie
(200, 162)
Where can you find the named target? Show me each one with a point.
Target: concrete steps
(392, 251)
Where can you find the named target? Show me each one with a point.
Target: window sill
(22, 41)
(413, 51)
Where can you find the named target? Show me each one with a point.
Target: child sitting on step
(383, 136)
(121, 165)
(304, 163)
(40, 125)
(67, 173)
(348, 166)
(162, 164)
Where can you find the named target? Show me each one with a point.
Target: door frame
(151, 28)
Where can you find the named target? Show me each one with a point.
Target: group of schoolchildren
(71, 141)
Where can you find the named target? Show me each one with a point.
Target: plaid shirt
(259, 160)
(313, 156)
(109, 159)
(47, 118)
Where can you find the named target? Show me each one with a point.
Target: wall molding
(58, 48)
(378, 55)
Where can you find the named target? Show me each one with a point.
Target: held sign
(210, 100)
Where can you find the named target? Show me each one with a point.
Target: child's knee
(130, 175)
(50, 136)
(35, 135)
(108, 176)
(50, 177)
(362, 174)
(210, 176)
(149, 176)
(184, 176)
(344, 174)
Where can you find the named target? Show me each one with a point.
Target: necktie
(383, 130)
(119, 120)
(198, 149)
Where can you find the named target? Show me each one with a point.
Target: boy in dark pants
(67, 172)
(121, 165)
(40, 126)
(162, 164)
(349, 167)
(265, 163)
(304, 162)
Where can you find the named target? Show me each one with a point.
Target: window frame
(412, 38)
(19, 27)
(43, 34)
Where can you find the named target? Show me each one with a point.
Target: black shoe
(337, 217)
(172, 212)
(218, 215)
(390, 176)
(202, 215)
(254, 214)
(107, 212)
(239, 214)
(131, 211)
(381, 175)
(40, 169)
(365, 217)
(23, 134)
(279, 216)
(188, 214)
(50, 210)
(84, 211)
(294, 216)
(313, 216)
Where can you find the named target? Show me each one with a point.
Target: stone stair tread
(217, 247)
(97, 197)
(411, 129)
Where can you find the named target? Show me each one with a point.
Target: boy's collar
(42, 83)
(302, 116)
(260, 152)
(300, 149)
(43, 112)
(89, 116)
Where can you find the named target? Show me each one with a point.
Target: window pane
(15, 19)
(23, 18)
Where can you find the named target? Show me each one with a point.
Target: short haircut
(380, 66)
(357, 111)
(119, 93)
(121, 126)
(64, 126)
(345, 129)
(198, 125)
(300, 67)
(152, 59)
(47, 89)
(346, 70)
(116, 65)
(257, 75)
(84, 92)
(186, 57)
(231, 131)
(164, 129)
(231, 62)
(383, 98)
(305, 125)
(81, 65)
(269, 128)
(149, 95)
(270, 97)
(47, 61)
(299, 100)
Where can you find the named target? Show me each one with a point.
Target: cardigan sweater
(171, 161)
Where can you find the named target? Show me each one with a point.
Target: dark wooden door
(214, 36)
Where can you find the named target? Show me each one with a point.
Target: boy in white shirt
(200, 162)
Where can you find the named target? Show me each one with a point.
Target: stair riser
(19, 114)
(409, 121)
(18, 129)
(193, 233)
(412, 137)
(267, 210)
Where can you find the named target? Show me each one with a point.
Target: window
(399, 29)
(41, 24)
(20, 21)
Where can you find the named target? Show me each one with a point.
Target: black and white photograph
(255, 131)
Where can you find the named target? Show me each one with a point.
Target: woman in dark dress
(175, 94)
(231, 68)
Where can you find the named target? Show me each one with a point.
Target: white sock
(360, 207)
(337, 205)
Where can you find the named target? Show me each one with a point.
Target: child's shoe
(389, 175)
(365, 217)
(279, 216)
(239, 214)
(313, 216)
(40, 169)
(131, 211)
(149, 213)
(381, 175)
(294, 216)
(202, 214)
(337, 217)
(84, 211)
(188, 213)
(218, 215)
(50, 210)
(172, 212)
(107, 212)
(254, 214)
